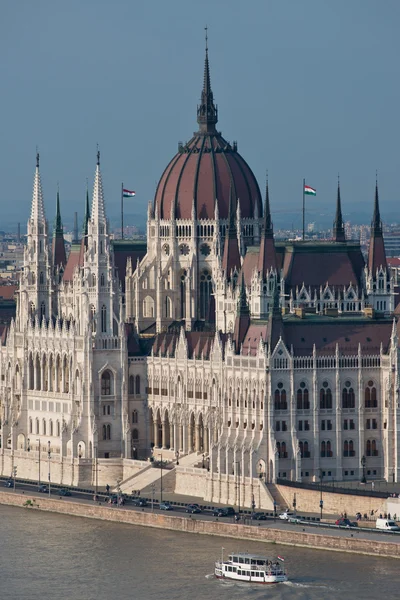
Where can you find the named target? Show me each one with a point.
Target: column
(206, 448)
(198, 437)
(164, 434)
(155, 432)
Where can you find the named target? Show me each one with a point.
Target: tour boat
(251, 568)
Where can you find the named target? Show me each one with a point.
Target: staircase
(281, 503)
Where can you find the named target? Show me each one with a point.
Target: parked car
(64, 492)
(165, 506)
(346, 523)
(225, 511)
(259, 516)
(285, 516)
(43, 489)
(139, 502)
(193, 508)
(9, 483)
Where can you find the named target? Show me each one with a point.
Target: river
(44, 556)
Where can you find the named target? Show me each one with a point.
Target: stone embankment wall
(307, 501)
(193, 525)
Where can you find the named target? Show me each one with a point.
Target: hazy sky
(308, 88)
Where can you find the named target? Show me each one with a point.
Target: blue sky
(308, 89)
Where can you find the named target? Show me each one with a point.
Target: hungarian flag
(128, 193)
(309, 191)
(281, 558)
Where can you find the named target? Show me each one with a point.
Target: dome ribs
(196, 177)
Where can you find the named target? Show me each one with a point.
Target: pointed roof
(267, 254)
(87, 214)
(242, 321)
(376, 252)
(37, 210)
(207, 111)
(98, 207)
(58, 248)
(231, 256)
(338, 225)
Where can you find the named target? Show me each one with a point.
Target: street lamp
(363, 462)
(39, 463)
(294, 502)
(274, 510)
(237, 462)
(177, 457)
(208, 463)
(161, 478)
(49, 456)
(28, 446)
(321, 502)
(79, 451)
(134, 452)
(96, 480)
(202, 464)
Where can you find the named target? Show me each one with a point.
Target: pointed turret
(37, 210)
(376, 254)
(338, 225)
(87, 214)
(98, 209)
(267, 254)
(242, 321)
(231, 256)
(58, 248)
(207, 111)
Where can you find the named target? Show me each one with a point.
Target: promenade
(357, 540)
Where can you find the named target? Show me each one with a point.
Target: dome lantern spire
(338, 225)
(207, 111)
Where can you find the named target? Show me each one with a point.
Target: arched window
(106, 384)
(182, 285)
(348, 396)
(131, 384)
(323, 449)
(303, 402)
(168, 308)
(325, 396)
(30, 425)
(102, 280)
(42, 310)
(51, 427)
(372, 449)
(37, 426)
(93, 317)
(135, 435)
(205, 293)
(44, 427)
(280, 398)
(58, 429)
(135, 416)
(41, 278)
(148, 307)
(103, 319)
(31, 373)
(104, 432)
(371, 400)
(108, 432)
(137, 385)
(329, 453)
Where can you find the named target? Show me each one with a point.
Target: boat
(251, 568)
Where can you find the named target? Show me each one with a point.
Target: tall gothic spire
(267, 254)
(207, 111)
(338, 225)
(87, 213)
(376, 252)
(231, 256)
(242, 321)
(58, 227)
(37, 210)
(58, 248)
(376, 224)
(98, 209)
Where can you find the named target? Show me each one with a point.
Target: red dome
(205, 170)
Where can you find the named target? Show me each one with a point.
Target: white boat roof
(249, 555)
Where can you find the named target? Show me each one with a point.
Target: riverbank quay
(346, 542)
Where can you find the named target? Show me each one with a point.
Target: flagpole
(122, 211)
(304, 208)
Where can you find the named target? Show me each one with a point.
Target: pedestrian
(372, 485)
(389, 516)
(345, 515)
(107, 488)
